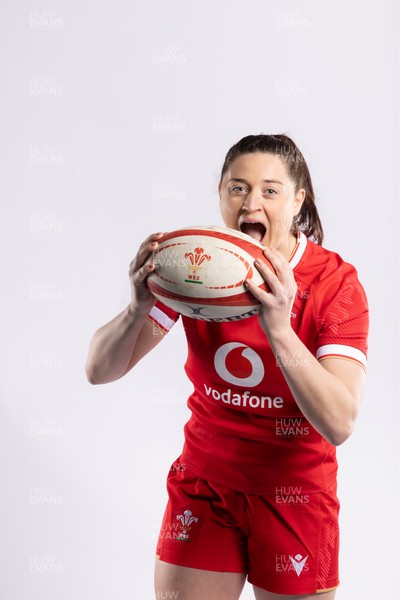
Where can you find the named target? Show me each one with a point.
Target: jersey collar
(298, 249)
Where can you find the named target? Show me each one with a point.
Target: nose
(252, 202)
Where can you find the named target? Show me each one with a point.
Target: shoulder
(320, 267)
(331, 285)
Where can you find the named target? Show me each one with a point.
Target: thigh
(185, 583)
(260, 594)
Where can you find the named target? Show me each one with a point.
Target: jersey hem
(271, 491)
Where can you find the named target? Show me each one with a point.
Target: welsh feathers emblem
(187, 520)
(196, 258)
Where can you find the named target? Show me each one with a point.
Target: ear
(219, 188)
(298, 200)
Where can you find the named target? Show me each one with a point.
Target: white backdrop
(115, 120)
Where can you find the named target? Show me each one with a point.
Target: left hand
(276, 305)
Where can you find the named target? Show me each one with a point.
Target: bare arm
(117, 346)
(328, 392)
(120, 344)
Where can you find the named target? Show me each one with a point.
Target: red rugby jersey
(246, 431)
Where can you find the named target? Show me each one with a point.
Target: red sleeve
(344, 320)
(162, 316)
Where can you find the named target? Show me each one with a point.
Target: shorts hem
(280, 590)
(171, 558)
(329, 589)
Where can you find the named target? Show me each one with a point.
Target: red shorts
(287, 543)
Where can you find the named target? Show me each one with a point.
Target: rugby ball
(200, 273)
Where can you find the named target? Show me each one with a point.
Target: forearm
(112, 345)
(323, 399)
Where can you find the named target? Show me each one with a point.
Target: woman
(254, 490)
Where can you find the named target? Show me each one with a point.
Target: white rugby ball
(200, 272)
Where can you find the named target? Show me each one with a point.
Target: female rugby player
(253, 493)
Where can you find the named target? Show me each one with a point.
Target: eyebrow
(264, 180)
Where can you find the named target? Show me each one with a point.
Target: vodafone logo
(238, 364)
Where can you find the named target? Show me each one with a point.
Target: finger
(137, 273)
(282, 269)
(141, 258)
(140, 275)
(147, 247)
(278, 261)
(283, 288)
(153, 237)
(269, 276)
(262, 296)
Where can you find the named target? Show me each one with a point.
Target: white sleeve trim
(161, 318)
(340, 350)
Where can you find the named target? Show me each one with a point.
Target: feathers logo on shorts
(187, 520)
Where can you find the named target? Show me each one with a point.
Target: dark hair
(281, 145)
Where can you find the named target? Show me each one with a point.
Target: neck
(285, 243)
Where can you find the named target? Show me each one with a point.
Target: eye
(271, 191)
(238, 188)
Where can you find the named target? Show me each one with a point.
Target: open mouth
(255, 230)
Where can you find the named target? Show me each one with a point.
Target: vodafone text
(244, 399)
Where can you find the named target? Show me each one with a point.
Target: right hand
(141, 296)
